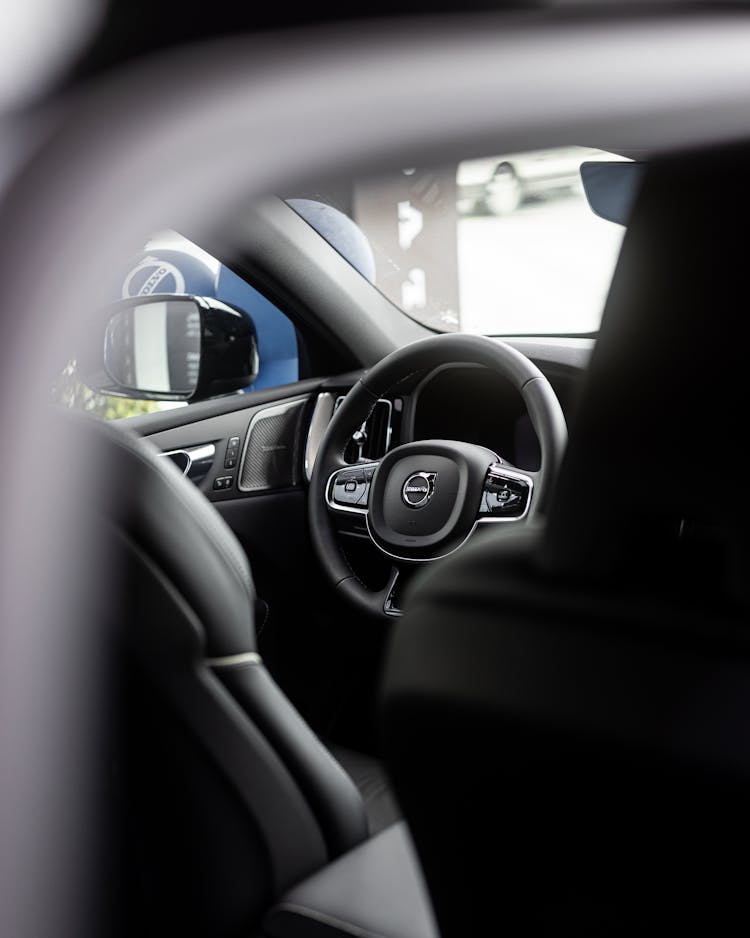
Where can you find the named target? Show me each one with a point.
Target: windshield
(505, 245)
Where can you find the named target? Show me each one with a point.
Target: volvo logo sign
(418, 489)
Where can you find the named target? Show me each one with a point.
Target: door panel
(258, 449)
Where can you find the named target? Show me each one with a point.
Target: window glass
(502, 245)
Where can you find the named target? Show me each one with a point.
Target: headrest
(653, 485)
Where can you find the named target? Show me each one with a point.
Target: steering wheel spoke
(507, 494)
(388, 599)
(391, 606)
(348, 489)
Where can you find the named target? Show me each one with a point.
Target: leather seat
(373, 784)
(225, 797)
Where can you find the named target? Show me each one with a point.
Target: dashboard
(269, 445)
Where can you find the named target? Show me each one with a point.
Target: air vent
(373, 438)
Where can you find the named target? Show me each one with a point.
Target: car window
(502, 245)
(171, 264)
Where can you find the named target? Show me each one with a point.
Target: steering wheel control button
(346, 492)
(504, 500)
(418, 489)
(351, 487)
(232, 453)
(505, 496)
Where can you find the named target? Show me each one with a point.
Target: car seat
(590, 678)
(226, 815)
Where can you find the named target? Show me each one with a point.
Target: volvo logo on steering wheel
(418, 489)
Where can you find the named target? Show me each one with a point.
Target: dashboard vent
(373, 438)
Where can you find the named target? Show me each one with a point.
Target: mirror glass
(155, 347)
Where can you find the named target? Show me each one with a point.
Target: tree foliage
(70, 391)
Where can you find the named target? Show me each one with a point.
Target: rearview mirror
(611, 188)
(174, 348)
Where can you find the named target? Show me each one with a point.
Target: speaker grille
(270, 457)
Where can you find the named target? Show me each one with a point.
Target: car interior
(234, 666)
(394, 603)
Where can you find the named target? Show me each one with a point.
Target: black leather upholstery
(371, 778)
(335, 801)
(376, 890)
(184, 609)
(177, 528)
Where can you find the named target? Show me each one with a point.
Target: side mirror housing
(168, 347)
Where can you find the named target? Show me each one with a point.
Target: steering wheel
(423, 500)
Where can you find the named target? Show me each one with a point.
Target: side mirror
(611, 188)
(166, 347)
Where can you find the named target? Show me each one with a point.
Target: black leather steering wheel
(423, 500)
